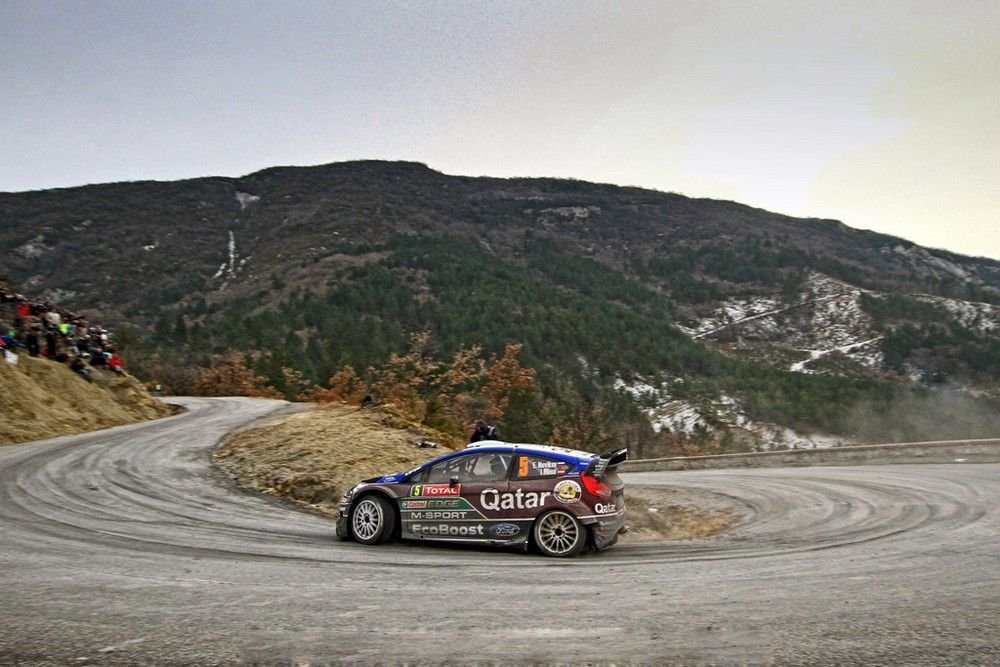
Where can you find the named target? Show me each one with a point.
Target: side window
(493, 467)
(532, 466)
(485, 467)
(445, 471)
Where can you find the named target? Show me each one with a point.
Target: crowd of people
(42, 329)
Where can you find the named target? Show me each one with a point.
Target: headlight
(350, 494)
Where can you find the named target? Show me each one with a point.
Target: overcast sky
(885, 115)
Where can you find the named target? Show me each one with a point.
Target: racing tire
(373, 520)
(559, 534)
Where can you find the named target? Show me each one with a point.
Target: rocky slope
(823, 328)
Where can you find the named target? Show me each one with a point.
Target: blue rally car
(496, 493)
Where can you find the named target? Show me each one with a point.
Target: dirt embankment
(44, 399)
(312, 457)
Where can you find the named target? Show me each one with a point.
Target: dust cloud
(926, 416)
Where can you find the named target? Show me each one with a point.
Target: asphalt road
(126, 547)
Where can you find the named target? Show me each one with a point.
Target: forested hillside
(667, 322)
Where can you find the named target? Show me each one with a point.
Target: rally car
(495, 493)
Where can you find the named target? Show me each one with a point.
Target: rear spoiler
(608, 459)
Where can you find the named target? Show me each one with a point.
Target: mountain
(691, 320)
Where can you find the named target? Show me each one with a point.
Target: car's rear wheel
(372, 520)
(559, 534)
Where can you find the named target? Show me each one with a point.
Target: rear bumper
(605, 531)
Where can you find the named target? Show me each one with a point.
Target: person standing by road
(484, 431)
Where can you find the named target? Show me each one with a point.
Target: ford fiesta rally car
(495, 493)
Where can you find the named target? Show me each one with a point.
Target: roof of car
(488, 446)
(497, 445)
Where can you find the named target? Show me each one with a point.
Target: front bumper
(343, 528)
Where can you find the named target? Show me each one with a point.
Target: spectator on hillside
(115, 363)
(50, 343)
(8, 337)
(51, 317)
(79, 367)
(82, 345)
(10, 341)
(22, 313)
(484, 432)
(32, 340)
(46, 329)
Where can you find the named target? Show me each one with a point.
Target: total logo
(605, 508)
(436, 490)
(446, 530)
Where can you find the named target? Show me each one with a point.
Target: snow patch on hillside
(921, 258)
(233, 264)
(246, 199)
(717, 416)
(551, 218)
(825, 317)
(837, 315)
(571, 212)
(58, 295)
(736, 311)
(982, 318)
(801, 366)
(34, 248)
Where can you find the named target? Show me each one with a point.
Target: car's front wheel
(372, 520)
(559, 534)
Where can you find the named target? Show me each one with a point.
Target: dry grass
(312, 457)
(45, 399)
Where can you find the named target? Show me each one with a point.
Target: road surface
(127, 547)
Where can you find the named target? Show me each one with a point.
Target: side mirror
(453, 481)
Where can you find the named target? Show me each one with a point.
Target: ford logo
(505, 529)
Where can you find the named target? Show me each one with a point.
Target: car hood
(388, 479)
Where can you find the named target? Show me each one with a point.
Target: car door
(447, 505)
(484, 486)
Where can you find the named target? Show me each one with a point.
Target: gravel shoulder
(310, 458)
